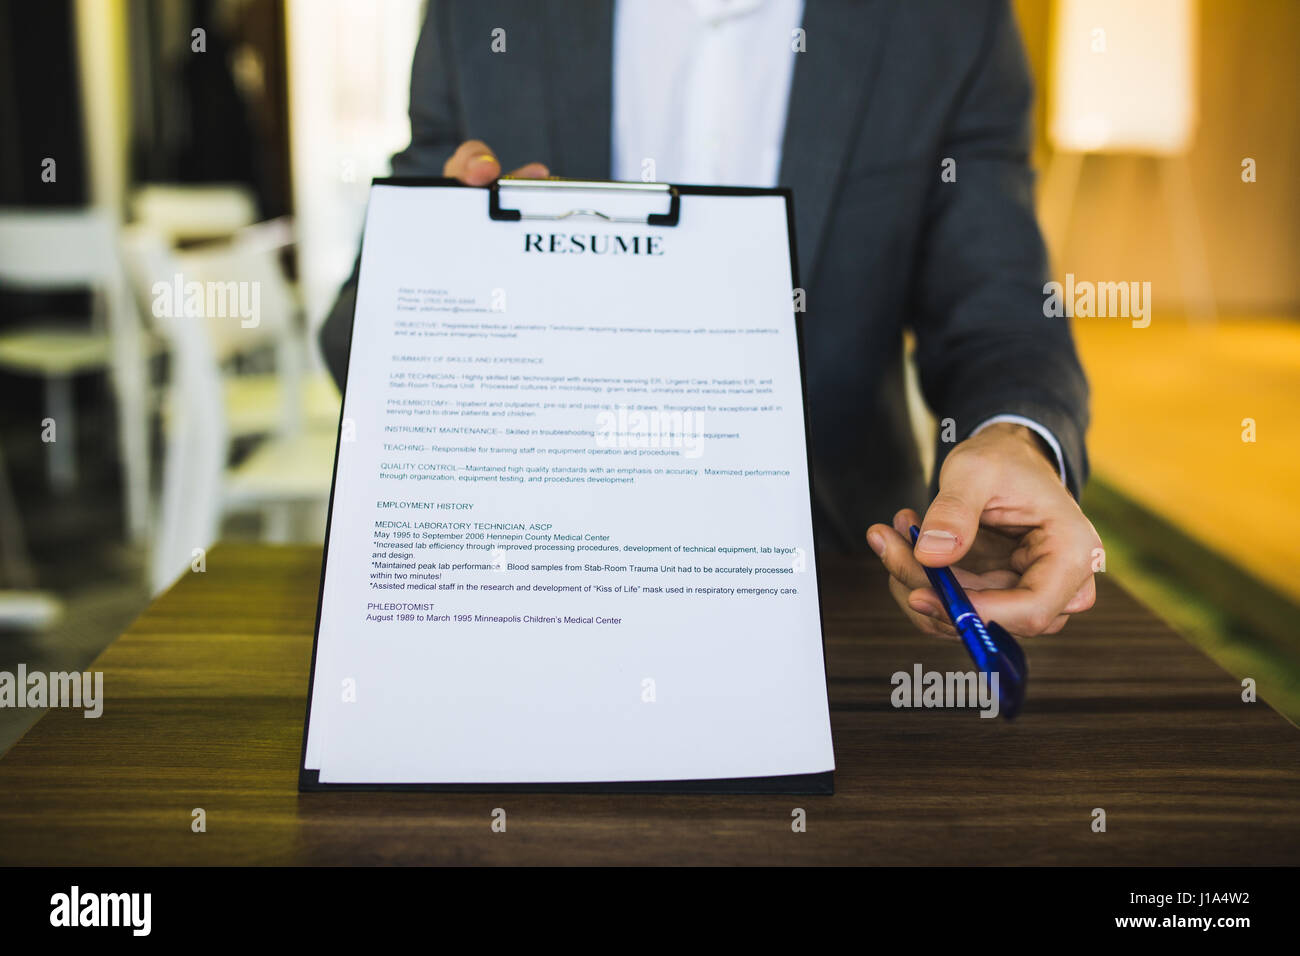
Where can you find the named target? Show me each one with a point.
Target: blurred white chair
(69, 250)
(292, 398)
(290, 469)
(184, 212)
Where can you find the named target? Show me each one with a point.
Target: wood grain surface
(204, 706)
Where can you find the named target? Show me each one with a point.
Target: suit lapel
(833, 81)
(579, 87)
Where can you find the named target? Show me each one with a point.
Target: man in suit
(903, 130)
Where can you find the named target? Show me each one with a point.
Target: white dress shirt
(701, 89)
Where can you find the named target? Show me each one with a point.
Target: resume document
(570, 537)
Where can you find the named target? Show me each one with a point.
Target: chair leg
(62, 459)
(15, 565)
(277, 522)
(133, 449)
(191, 499)
(130, 378)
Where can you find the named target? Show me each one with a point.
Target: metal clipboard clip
(551, 191)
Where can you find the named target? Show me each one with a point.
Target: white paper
(491, 420)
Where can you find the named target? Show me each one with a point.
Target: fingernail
(877, 542)
(937, 542)
(485, 158)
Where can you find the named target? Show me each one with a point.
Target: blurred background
(231, 142)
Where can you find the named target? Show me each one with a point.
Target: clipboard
(657, 207)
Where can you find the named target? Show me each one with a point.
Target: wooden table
(204, 708)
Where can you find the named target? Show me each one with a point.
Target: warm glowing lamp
(1123, 80)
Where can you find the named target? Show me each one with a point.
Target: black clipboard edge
(822, 783)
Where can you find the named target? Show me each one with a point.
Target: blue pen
(993, 650)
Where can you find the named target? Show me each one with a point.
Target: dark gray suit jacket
(885, 92)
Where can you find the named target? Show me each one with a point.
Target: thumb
(953, 518)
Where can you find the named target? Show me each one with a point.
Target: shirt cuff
(1037, 429)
